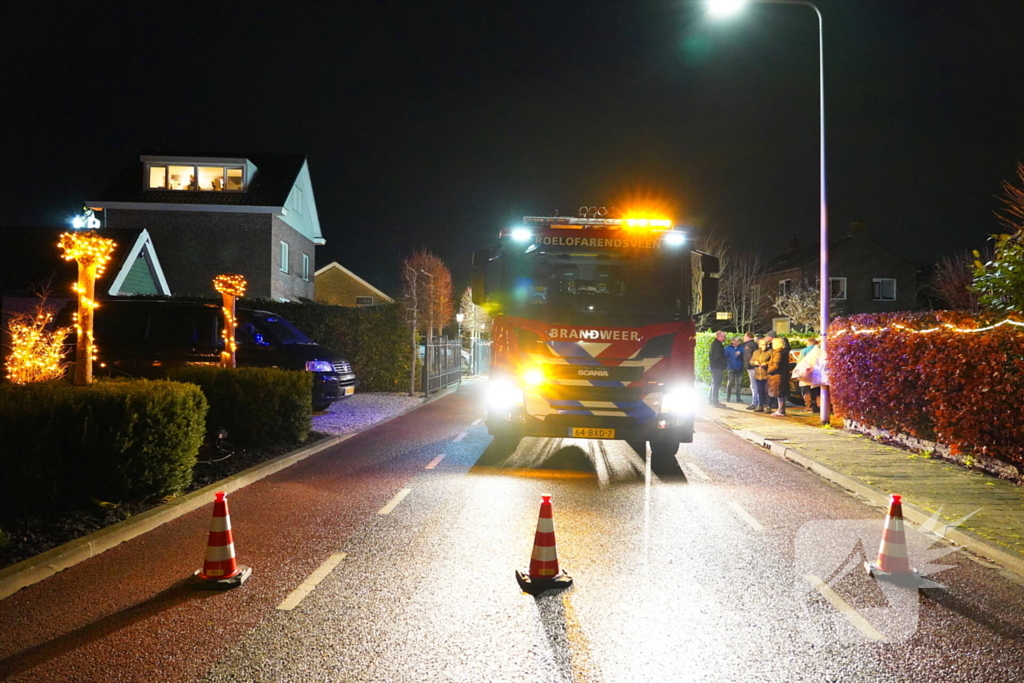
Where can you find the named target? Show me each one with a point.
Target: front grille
(343, 368)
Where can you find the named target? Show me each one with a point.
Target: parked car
(149, 337)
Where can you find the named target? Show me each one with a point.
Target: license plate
(349, 391)
(591, 433)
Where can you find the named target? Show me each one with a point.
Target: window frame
(876, 288)
(364, 304)
(195, 165)
(844, 289)
(305, 267)
(785, 286)
(284, 265)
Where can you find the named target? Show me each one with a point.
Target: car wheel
(319, 407)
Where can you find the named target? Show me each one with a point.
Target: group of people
(766, 361)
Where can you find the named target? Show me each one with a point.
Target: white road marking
(852, 615)
(386, 510)
(434, 462)
(477, 421)
(459, 438)
(746, 516)
(307, 586)
(701, 474)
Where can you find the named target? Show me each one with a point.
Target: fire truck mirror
(709, 283)
(481, 259)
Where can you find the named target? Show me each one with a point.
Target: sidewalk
(873, 471)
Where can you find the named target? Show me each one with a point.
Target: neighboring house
(31, 263)
(336, 284)
(865, 276)
(252, 214)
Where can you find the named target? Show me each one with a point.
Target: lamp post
(724, 8)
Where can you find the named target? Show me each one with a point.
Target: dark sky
(434, 124)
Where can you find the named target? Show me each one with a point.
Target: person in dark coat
(749, 347)
(778, 374)
(717, 364)
(734, 359)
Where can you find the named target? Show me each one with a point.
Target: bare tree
(1013, 199)
(427, 294)
(412, 300)
(739, 291)
(473, 316)
(951, 281)
(716, 245)
(802, 305)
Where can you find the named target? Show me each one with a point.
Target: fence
(480, 357)
(442, 366)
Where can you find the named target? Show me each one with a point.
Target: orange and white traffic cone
(544, 572)
(893, 564)
(220, 570)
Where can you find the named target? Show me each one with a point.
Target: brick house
(864, 275)
(336, 284)
(252, 214)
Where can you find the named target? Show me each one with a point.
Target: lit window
(784, 287)
(305, 267)
(837, 288)
(157, 177)
(884, 288)
(284, 257)
(181, 177)
(234, 181)
(211, 178)
(364, 301)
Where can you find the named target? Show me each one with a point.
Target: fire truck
(593, 330)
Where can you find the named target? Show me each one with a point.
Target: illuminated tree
(999, 283)
(37, 353)
(427, 295)
(802, 305)
(92, 253)
(231, 287)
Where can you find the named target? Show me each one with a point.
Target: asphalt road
(676, 579)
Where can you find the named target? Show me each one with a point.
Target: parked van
(148, 337)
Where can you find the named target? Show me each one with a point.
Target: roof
(337, 266)
(275, 176)
(806, 254)
(30, 260)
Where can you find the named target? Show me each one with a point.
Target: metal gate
(442, 366)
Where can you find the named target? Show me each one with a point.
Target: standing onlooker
(717, 364)
(749, 347)
(778, 373)
(759, 361)
(734, 360)
(808, 391)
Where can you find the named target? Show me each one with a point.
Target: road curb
(43, 566)
(974, 543)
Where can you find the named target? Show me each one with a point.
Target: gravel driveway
(360, 411)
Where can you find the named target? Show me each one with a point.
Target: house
(31, 263)
(864, 275)
(336, 284)
(252, 214)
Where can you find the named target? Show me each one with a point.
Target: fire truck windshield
(594, 286)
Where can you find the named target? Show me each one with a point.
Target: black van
(146, 338)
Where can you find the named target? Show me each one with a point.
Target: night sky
(434, 124)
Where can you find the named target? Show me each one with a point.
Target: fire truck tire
(505, 444)
(639, 446)
(663, 450)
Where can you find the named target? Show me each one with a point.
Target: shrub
(375, 339)
(115, 441)
(959, 389)
(702, 351)
(257, 406)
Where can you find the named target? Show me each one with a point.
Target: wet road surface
(676, 579)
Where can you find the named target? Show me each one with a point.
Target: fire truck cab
(593, 334)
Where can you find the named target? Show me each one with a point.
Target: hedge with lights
(115, 441)
(257, 406)
(375, 339)
(940, 376)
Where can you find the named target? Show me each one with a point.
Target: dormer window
(198, 175)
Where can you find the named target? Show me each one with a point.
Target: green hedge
(375, 339)
(257, 406)
(703, 350)
(115, 441)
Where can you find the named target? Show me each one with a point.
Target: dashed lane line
(307, 586)
(386, 510)
(477, 421)
(852, 615)
(701, 474)
(745, 516)
(459, 438)
(434, 462)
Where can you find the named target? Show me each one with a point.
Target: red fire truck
(593, 333)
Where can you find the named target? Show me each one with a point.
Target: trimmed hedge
(257, 406)
(114, 441)
(703, 350)
(375, 339)
(958, 389)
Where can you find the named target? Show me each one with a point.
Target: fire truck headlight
(675, 239)
(521, 234)
(679, 401)
(502, 393)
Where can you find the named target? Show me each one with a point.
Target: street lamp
(724, 8)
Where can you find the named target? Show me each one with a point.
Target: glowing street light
(725, 8)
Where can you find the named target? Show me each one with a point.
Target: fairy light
(230, 286)
(92, 253)
(37, 355)
(950, 327)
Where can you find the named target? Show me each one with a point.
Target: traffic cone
(220, 569)
(893, 564)
(544, 572)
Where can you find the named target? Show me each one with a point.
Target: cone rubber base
(911, 580)
(238, 579)
(538, 586)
